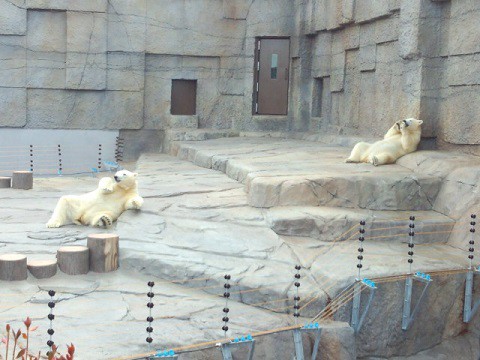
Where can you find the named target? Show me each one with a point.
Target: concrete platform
(197, 224)
(291, 172)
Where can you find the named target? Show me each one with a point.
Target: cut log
(13, 267)
(22, 180)
(103, 252)
(5, 182)
(73, 260)
(42, 269)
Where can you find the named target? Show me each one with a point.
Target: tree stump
(42, 269)
(22, 180)
(13, 267)
(5, 182)
(73, 260)
(103, 252)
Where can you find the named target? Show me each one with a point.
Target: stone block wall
(109, 64)
(356, 66)
(379, 61)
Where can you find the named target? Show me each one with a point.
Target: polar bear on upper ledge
(100, 207)
(401, 139)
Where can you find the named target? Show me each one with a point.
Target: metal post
(469, 310)
(411, 234)
(297, 340)
(50, 331)
(150, 305)
(408, 315)
(31, 158)
(357, 289)
(60, 167)
(226, 352)
(407, 303)
(99, 161)
(357, 319)
(247, 341)
(226, 295)
(467, 307)
(361, 239)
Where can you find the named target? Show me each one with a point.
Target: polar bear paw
(107, 189)
(350, 161)
(104, 221)
(53, 224)
(134, 203)
(375, 161)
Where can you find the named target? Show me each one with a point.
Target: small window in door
(184, 97)
(274, 66)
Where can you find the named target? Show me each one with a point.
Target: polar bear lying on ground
(100, 207)
(401, 139)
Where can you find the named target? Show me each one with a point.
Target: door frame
(256, 69)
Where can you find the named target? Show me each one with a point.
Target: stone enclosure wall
(376, 61)
(109, 64)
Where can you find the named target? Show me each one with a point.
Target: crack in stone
(334, 196)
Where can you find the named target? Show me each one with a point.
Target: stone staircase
(313, 201)
(307, 190)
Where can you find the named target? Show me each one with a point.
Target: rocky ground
(254, 208)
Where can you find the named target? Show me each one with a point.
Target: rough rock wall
(377, 61)
(109, 64)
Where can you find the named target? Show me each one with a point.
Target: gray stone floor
(198, 223)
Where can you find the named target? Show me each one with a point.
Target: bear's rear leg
(382, 159)
(358, 152)
(102, 220)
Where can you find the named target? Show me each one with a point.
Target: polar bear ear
(135, 174)
(420, 122)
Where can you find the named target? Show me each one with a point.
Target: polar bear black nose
(116, 178)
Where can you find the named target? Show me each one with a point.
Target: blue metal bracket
(247, 341)
(164, 354)
(409, 315)
(298, 341)
(357, 319)
(469, 310)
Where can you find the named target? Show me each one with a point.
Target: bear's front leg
(61, 213)
(135, 203)
(106, 185)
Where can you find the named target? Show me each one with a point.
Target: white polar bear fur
(401, 139)
(100, 207)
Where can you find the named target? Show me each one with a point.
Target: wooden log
(42, 269)
(103, 252)
(73, 260)
(22, 180)
(5, 182)
(13, 267)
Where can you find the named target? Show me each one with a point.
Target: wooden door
(272, 65)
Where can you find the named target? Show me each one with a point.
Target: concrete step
(333, 224)
(280, 172)
(183, 122)
(172, 136)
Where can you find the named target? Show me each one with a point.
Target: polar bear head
(126, 179)
(410, 125)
